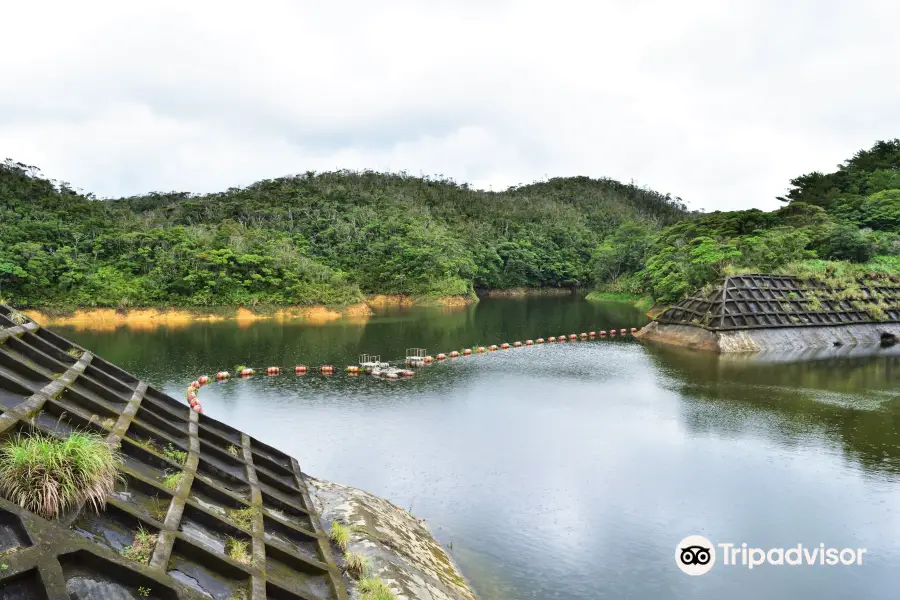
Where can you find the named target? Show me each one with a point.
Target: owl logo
(695, 555)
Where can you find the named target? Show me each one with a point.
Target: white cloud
(719, 103)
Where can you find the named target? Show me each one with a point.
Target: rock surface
(767, 339)
(399, 547)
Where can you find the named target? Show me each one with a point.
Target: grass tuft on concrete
(173, 480)
(372, 588)
(48, 475)
(243, 517)
(356, 564)
(18, 318)
(160, 509)
(238, 550)
(340, 535)
(174, 454)
(141, 549)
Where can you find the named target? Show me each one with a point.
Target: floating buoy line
(415, 357)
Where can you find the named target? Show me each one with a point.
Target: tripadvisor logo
(696, 555)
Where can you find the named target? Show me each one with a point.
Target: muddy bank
(398, 547)
(380, 300)
(525, 291)
(149, 318)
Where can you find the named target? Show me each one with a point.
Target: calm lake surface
(572, 470)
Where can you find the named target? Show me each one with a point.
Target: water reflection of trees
(164, 353)
(849, 398)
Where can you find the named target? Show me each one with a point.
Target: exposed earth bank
(146, 318)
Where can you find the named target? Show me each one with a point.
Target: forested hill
(308, 239)
(838, 226)
(331, 238)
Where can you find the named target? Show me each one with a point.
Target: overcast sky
(718, 102)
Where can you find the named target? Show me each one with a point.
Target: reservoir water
(572, 470)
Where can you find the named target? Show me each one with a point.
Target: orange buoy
(529, 342)
(504, 346)
(272, 370)
(467, 352)
(539, 341)
(353, 369)
(602, 334)
(441, 356)
(247, 372)
(583, 336)
(592, 334)
(480, 350)
(572, 336)
(203, 379)
(634, 330)
(197, 408)
(300, 369)
(517, 344)
(427, 360)
(612, 333)
(454, 354)
(561, 338)
(623, 331)
(492, 347)
(326, 369)
(222, 375)
(551, 339)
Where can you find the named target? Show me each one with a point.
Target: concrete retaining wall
(760, 340)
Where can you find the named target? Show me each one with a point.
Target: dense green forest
(847, 221)
(331, 238)
(313, 238)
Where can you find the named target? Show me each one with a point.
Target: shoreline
(525, 291)
(644, 303)
(105, 318)
(145, 318)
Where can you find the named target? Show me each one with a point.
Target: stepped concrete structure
(194, 483)
(754, 313)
